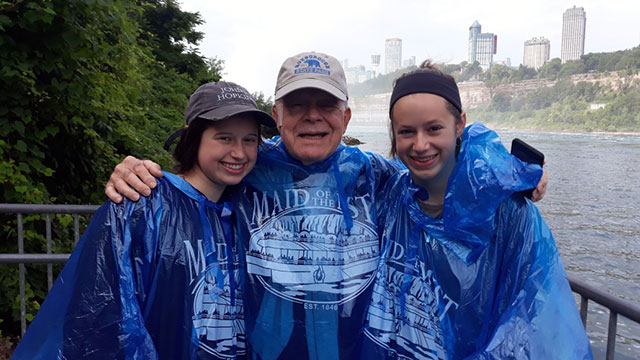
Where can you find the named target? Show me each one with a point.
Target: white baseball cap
(312, 70)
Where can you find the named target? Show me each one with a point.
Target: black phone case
(526, 153)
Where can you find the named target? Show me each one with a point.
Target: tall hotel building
(573, 26)
(392, 55)
(536, 52)
(482, 47)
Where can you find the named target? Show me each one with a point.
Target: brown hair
(425, 67)
(186, 152)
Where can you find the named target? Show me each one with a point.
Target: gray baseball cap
(221, 100)
(312, 70)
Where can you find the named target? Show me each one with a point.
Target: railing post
(584, 305)
(23, 308)
(76, 229)
(611, 336)
(49, 266)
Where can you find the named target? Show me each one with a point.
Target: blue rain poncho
(153, 279)
(311, 251)
(484, 281)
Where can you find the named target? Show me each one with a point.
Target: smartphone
(529, 154)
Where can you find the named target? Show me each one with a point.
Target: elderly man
(308, 218)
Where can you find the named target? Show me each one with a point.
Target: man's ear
(276, 115)
(347, 118)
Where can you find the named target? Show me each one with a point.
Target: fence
(587, 292)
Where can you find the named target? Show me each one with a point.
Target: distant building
(482, 47)
(358, 74)
(536, 52)
(573, 26)
(375, 62)
(409, 62)
(392, 55)
(506, 62)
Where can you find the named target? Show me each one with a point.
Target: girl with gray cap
(161, 278)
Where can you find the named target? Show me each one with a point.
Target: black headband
(426, 82)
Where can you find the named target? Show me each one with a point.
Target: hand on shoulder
(131, 178)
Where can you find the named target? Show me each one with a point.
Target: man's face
(311, 124)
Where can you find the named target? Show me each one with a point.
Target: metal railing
(587, 292)
(614, 304)
(21, 258)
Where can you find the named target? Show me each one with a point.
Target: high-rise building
(375, 62)
(506, 62)
(358, 74)
(392, 55)
(536, 52)
(573, 25)
(411, 61)
(482, 47)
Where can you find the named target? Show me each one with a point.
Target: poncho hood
(484, 176)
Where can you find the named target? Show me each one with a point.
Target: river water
(592, 206)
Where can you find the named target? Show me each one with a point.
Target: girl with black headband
(468, 266)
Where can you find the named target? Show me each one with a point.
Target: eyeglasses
(325, 107)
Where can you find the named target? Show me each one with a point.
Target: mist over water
(592, 206)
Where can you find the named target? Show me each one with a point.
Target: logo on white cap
(312, 64)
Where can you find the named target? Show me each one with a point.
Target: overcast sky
(254, 37)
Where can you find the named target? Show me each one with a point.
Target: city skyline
(254, 38)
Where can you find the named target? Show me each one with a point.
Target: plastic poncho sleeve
(484, 281)
(534, 314)
(92, 311)
(384, 169)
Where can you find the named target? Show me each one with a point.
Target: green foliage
(497, 75)
(550, 70)
(469, 72)
(565, 107)
(572, 68)
(523, 73)
(378, 85)
(266, 105)
(71, 77)
(500, 102)
(451, 68)
(86, 83)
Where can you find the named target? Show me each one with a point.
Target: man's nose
(313, 112)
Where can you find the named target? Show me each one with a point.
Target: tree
(523, 73)
(379, 84)
(451, 68)
(265, 104)
(496, 75)
(470, 72)
(170, 31)
(550, 70)
(90, 81)
(500, 102)
(571, 68)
